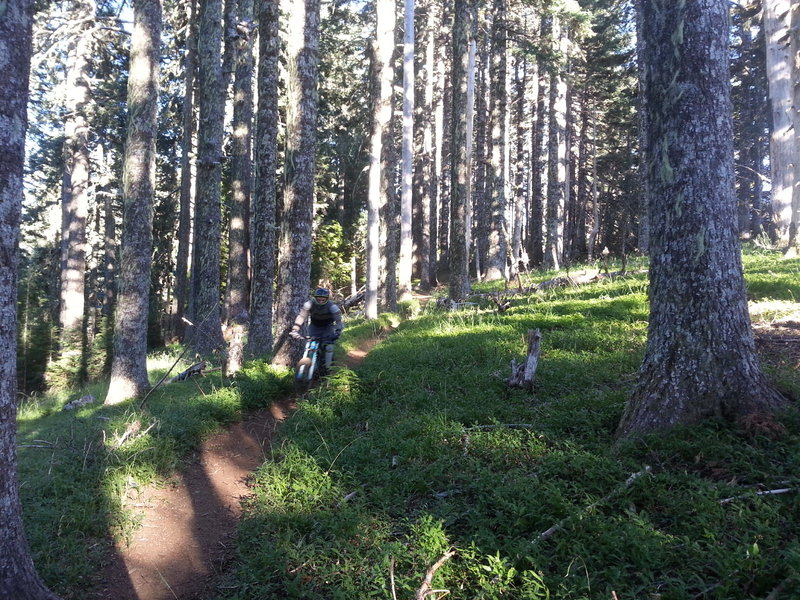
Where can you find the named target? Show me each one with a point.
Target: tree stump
(523, 374)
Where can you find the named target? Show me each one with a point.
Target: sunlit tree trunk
(557, 159)
(520, 77)
(700, 360)
(776, 18)
(294, 246)
(18, 577)
(129, 364)
(383, 80)
(406, 245)
(259, 339)
(75, 195)
(458, 252)
(182, 287)
(207, 317)
(496, 181)
(238, 289)
(794, 225)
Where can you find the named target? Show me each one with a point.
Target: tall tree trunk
(75, 196)
(498, 83)
(557, 159)
(182, 287)
(459, 286)
(782, 143)
(700, 359)
(18, 577)
(294, 248)
(406, 245)
(520, 76)
(481, 185)
(259, 339)
(794, 225)
(424, 172)
(207, 330)
(538, 164)
(383, 80)
(238, 289)
(129, 364)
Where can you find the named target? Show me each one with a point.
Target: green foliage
(259, 383)
(330, 256)
(425, 450)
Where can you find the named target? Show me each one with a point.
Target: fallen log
(196, 369)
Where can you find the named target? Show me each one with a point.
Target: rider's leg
(328, 357)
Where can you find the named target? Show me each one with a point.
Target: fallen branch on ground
(560, 525)
(761, 493)
(425, 589)
(195, 369)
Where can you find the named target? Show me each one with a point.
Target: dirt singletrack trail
(186, 527)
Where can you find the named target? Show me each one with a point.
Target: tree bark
(18, 577)
(207, 317)
(782, 146)
(458, 252)
(129, 364)
(182, 287)
(496, 180)
(259, 340)
(75, 196)
(557, 157)
(406, 244)
(294, 247)
(383, 81)
(700, 359)
(238, 290)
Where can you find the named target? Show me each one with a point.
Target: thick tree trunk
(538, 168)
(238, 290)
(496, 180)
(406, 243)
(206, 334)
(459, 286)
(557, 159)
(129, 364)
(182, 287)
(383, 80)
(18, 577)
(259, 340)
(75, 197)
(294, 246)
(700, 359)
(782, 147)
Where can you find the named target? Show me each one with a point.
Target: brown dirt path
(186, 527)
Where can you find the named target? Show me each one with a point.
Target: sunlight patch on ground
(770, 311)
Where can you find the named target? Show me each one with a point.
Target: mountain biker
(324, 321)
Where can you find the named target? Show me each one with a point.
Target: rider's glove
(336, 334)
(295, 334)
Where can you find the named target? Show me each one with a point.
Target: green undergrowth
(425, 454)
(426, 450)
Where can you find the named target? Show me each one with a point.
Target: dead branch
(195, 369)
(560, 525)
(499, 426)
(425, 589)
(761, 493)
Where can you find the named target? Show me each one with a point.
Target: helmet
(321, 295)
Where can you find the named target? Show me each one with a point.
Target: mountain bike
(312, 364)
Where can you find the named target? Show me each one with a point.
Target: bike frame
(308, 366)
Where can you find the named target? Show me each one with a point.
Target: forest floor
(185, 530)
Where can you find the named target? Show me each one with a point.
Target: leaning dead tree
(523, 374)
